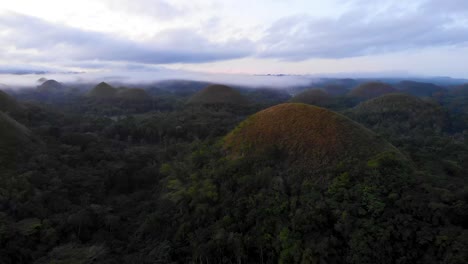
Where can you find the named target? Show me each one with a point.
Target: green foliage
(114, 181)
(218, 95)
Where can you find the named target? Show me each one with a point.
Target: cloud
(44, 41)
(158, 9)
(368, 29)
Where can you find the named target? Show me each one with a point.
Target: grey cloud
(363, 31)
(58, 42)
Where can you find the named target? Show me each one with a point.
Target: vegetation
(15, 141)
(419, 88)
(133, 94)
(312, 96)
(370, 90)
(8, 104)
(400, 113)
(314, 137)
(114, 179)
(103, 91)
(218, 95)
(50, 86)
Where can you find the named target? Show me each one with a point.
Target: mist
(18, 81)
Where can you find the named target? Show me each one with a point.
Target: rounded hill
(50, 86)
(103, 91)
(419, 88)
(335, 89)
(400, 112)
(218, 94)
(312, 96)
(371, 90)
(309, 136)
(15, 141)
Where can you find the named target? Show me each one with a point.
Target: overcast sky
(423, 37)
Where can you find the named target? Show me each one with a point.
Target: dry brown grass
(306, 134)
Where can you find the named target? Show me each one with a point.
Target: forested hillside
(191, 172)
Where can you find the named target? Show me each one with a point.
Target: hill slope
(50, 86)
(312, 96)
(401, 113)
(133, 94)
(307, 135)
(102, 91)
(15, 141)
(218, 94)
(371, 89)
(8, 103)
(419, 88)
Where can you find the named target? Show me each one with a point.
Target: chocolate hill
(312, 96)
(102, 91)
(309, 136)
(218, 95)
(401, 113)
(50, 86)
(371, 90)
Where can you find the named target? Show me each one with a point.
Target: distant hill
(41, 80)
(218, 95)
(50, 86)
(335, 89)
(344, 83)
(267, 96)
(400, 113)
(370, 90)
(103, 91)
(312, 96)
(419, 88)
(308, 136)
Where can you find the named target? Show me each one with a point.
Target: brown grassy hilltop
(103, 91)
(307, 135)
(218, 94)
(371, 89)
(312, 96)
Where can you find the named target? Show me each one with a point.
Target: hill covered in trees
(99, 174)
(312, 96)
(370, 90)
(102, 91)
(218, 94)
(15, 142)
(401, 113)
